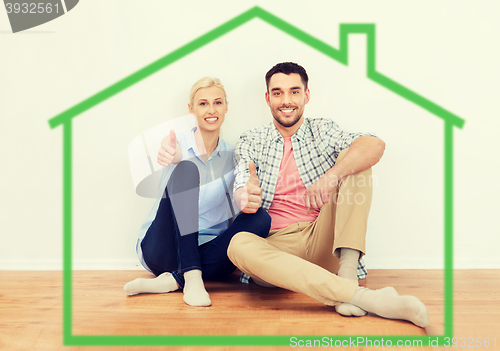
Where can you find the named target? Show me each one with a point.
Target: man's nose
(286, 99)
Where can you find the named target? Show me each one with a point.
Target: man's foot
(348, 264)
(194, 289)
(349, 310)
(163, 283)
(387, 303)
(348, 268)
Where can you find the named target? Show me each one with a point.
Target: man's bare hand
(318, 194)
(251, 195)
(170, 152)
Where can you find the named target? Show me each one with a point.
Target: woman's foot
(194, 289)
(163, 283)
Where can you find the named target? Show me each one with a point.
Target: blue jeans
(164, 248)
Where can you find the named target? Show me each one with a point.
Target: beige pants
(304, 256)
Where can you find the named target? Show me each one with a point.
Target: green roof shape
(340, 55)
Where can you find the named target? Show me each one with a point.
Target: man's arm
(364, 152)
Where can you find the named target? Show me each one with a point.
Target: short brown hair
(288, 68)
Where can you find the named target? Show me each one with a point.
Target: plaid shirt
(316, 146)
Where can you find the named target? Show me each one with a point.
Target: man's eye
(276, 94)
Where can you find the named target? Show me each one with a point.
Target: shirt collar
(220, 147)
(275, 134)
(191, 141)
(300, 134)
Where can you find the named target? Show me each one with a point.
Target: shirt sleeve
(341, 139)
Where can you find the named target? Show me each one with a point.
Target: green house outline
(340, 55)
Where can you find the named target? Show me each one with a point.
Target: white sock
(348, 268)
(349, 310)
(348, 265)
(194, 289)
(388, 304)
(163, 283)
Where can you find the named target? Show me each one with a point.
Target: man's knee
(359, 182)
(342, 154)
(239, 244)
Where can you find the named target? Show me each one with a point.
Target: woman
(185, 238)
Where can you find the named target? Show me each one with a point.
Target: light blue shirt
(216, 178)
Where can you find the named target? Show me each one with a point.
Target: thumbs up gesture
(170, 151)
(253, 191)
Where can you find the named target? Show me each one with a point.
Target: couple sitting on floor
(303, 187)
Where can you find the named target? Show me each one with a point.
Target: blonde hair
(206, 82)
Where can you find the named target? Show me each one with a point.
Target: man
(315, 181)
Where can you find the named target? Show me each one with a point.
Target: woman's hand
(170, 151)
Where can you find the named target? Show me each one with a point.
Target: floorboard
(31, 309)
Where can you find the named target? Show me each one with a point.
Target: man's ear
(308, 96)
(267, 99)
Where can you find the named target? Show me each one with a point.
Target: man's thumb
(173, 138)
(253, 174)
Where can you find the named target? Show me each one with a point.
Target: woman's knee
(184, 177)
(263, 220)
(258, 223)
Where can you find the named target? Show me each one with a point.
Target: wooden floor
(31, 309)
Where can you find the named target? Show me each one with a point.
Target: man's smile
(288, 111)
